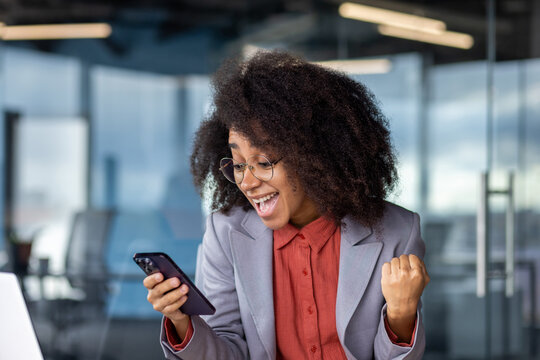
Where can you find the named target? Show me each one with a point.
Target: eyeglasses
(259, 165)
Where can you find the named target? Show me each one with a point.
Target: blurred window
(142, 133)
(50, 146)
(41, 85)
(399, 96)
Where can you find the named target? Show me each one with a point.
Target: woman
(302, 256)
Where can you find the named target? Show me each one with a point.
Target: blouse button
(313, 349)
(301, 236)
(305, 272)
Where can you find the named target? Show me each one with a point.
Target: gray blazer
(236, 276)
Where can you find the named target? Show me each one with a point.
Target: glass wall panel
(457, 156)
(51, 183)
(528, 200)
(38, 84)
(48, 146)
(399, 94)
(457, 153)
(142, 129)
(457, 145)
(135, 137)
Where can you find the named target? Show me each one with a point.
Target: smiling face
(276, 201)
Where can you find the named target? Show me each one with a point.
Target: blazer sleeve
(219, 336)
(384, 348)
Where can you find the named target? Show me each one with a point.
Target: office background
(97, 133)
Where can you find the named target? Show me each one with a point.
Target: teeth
(257, 201)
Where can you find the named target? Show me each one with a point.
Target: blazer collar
(359, 252)
(254, 226)
(253, 256)
(353, 232)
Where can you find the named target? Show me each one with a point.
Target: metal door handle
(481, 238)
(482, 228)
(510, 232)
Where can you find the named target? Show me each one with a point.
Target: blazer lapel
(356, 264)
(253, 255)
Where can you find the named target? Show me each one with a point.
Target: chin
(274, 224)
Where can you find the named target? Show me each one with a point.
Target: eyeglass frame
(250, 167)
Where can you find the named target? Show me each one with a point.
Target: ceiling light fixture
(56, 31)
(359, 67)
(446, 38)
(391, 18)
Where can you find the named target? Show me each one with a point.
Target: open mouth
(265, 206)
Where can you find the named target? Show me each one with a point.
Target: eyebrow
(233, 146)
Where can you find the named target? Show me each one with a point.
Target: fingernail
(184, 289)
(157, 277)
(175, 282)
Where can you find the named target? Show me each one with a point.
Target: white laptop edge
(17, 336)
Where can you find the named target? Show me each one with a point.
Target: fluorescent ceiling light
(372, 66)
(390, 17)
(57, 31)
(447, 38)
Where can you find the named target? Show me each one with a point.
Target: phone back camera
(148, 265)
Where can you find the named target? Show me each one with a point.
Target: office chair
(86, 271)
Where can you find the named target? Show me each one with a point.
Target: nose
(250, 181)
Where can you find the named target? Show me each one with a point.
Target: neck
(308, 215)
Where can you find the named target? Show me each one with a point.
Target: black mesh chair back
(86, 267)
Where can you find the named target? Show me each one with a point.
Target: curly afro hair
(327, 128)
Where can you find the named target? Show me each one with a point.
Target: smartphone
(151, 263)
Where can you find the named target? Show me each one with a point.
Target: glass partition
(399, 92)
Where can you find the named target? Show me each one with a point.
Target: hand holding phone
(166, 297)
(171, 290)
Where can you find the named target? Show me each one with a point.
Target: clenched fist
(403, 281)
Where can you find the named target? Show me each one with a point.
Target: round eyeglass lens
(261, 167)
(226, 165)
